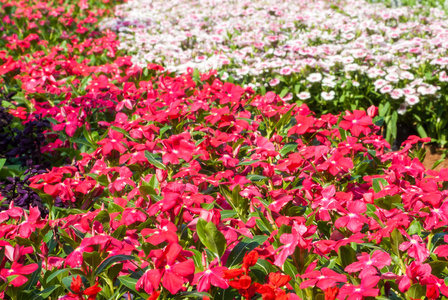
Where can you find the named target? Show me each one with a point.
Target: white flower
(379, 83)
(411, 99)
(304, 95)
(408, 91)
(327, 96)
(407, 75)
(402, 109)
(443, 77)
(314, 77)
(429, 90)
(224, 76)
(327, 81)
(393, 77)
(386, 89)
(397, 94)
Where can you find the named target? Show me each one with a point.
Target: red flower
(434, 286)
(230, 93)
(76, 286)
(174, 274)
(241, 280)
(177, 146)
(165, 231)
(331, 293)
(336, 163)
(357, 122)
(303, 124)
(115, 141)
(271, 290)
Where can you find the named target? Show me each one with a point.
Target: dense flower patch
(331, 55)
(120, 181)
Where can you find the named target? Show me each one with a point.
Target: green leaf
(155, 161)
(164, 129)
(437, 163)
(288, 148)
(343, 134)
(262, 268)
(263, 228)
(347, 255)
(195, 295)
(284, 120)
(284, 92)
(421, 131)
(45, 294)
(34, 277)
(246, 245)
(378, 121)
(255, 177)
(120, 130)
(388, 202)
(437, 267)
(383, 109)
(93, 259)
(378, 184)
(225, 214)
(109, 261)
(130, 283)
(247, 163)
(392, 127)
(2, 162)
(416, 291)
(211, 237)
(415, 227)
(56, 273)
(104, 218)
(396, 239)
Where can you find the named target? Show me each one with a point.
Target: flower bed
(331, 55)
(120, 181)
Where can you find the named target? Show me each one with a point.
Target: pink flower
(354, 220)
(415, 248)
(274, 82)
(293, 240)
(358, 292)
(213, 275)
(366, 263)
(323, 279)
(19, 270)
(116, 141)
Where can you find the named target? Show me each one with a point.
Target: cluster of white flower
(325, 45)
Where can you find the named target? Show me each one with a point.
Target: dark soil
(433, 154)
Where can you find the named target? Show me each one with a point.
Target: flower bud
(372, 111)
(161, 175)
(44, 249)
